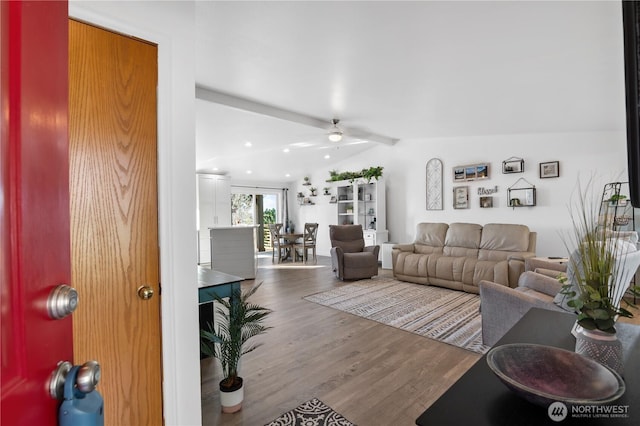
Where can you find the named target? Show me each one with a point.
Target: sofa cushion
(465, 235)
(505, 237)
(431, 234)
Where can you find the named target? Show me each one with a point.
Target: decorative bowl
(543, 374)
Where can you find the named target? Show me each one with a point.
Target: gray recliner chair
(350, 259)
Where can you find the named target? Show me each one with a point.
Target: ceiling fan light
(335, 136)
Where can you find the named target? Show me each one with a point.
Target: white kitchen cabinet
(214, 210)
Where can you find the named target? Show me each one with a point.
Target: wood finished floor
(371, 373)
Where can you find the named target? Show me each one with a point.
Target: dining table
(290, 238)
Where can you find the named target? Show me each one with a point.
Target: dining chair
(278, 244)
(308, 242)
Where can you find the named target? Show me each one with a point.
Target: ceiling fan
(335, 133)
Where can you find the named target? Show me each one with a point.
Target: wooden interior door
(114, 222)
(34, 206)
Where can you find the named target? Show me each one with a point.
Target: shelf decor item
(513, 165)
(550, 169)
(544, 375)
(521, 196)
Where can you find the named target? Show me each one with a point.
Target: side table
(480, 398)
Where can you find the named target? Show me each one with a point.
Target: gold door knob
(145, 292)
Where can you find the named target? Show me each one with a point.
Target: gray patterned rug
(311, 413)
(441, 314)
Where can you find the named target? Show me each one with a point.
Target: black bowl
(543, 374)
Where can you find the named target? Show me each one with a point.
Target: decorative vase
(231, 398)
(600, 346)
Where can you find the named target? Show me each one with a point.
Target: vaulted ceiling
(267, 72)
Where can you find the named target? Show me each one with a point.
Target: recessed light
(326, 157)
(249, 172)
(248, 144)
(285, 150)
(287, 175)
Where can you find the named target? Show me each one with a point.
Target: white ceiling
(398, 69)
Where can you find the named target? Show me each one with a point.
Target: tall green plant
(237, 321)
(594, 292)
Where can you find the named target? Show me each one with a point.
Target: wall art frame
(550, 169)
(521, 194)
(434, 184)
(460, 197)
(486, 202)
(513, 165)
(471, 172)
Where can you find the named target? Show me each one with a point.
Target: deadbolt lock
(62, 301)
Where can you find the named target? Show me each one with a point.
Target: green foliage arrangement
(270, 215)
(596, 295)
(368, 174)
(237, 321)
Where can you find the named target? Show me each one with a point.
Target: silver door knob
(145, 292)
(62, 301)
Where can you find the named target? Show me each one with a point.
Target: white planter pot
(232, 401)
(600, 346)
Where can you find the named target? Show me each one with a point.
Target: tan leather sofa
(460, 255)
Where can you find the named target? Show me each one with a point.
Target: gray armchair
(350, 259)
(502, 306)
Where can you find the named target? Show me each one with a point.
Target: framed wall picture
(460, 197)
(458, 174)
(486, 202)
(550, 169)
(471, 172)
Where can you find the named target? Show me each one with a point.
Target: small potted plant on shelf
(326, 190)
(306, 181)
(236, 321)
(618, 200)
(313, 191)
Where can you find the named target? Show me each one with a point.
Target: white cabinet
(214, 209)
(363, 203)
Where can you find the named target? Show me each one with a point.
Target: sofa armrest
(337, 264)
(532, 264)
(404, 247)
(517, 265)
(372, 249)
(540, 283)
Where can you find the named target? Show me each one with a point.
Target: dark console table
(480, 398)
(212, 282)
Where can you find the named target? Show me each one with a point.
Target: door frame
(180, 329)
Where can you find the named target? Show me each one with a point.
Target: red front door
(34, 206)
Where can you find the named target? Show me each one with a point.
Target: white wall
(171, 25)
(581, 156)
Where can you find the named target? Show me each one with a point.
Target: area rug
(311, 413)
(441, 314)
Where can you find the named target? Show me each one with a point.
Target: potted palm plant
(600, 268)
(236, 321)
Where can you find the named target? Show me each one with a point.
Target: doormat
(440, 314)
(313, 412)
